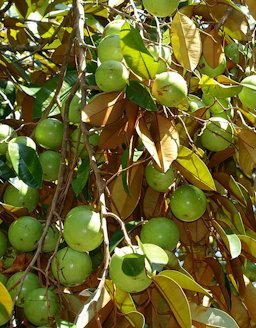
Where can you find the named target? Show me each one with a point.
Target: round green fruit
(232, 52)
(3, 243)
(80, 147)
(219, 107)
(6, 133)
(157, 180)
(161, 8)
(74, 113)
(128, 283)
(113, 27)
(30, 282)
(109, 48)
(111, 76)
(206, 69)
(169, 89)
(163, 58)
(160, 231)
(24, 233)
(51, 239)
(247, 95)
(195, 103)
(217, 134)
(24, 197)
(70, 267)
(50, 162)
(82, 229)
(188, 203)
(49, 133)
(41, 307)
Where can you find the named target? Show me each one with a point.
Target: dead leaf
(247, 150)
(213, 50)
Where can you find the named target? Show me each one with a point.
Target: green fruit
(217, 134)
(51, 239)
(163, 58)
(128, 283)
(157, 180)
(169, 89)
(219, 107)
(195, 103)
(209, 71)
(82, 229)
(232, 52)
(161, 8)
(113, 27)
(247, 95)
(3, 243)
(188, 203)
(41, 307)
(29, 283)
(71, 268)
(111, 76)
(160, 231)
(50, 162)
(80, 148)
(109, 48)
(49, 133)
(24, 233)
(24, 197)
(6, 133)
(74, 113)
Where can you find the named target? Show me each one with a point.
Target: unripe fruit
(25, 197)
(109, 48)
(111, 76)
(49, 133)
(71, 268)
(113, 27)
(160, 231)
(130, 284)
(248, 95)
(217, 134)
(6, 133)
(50, 162)
(169, 89)
(51, 239)
(161, 8)
(3, 243)
(157, 180)
(24, 233)
(209, 71)
(188, 203)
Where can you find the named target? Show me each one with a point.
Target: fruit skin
(41, 306)
(82, 229)
(232, 51)
(49, 133)
(169, 89)
(219, 107)
(113, 27)
(51, 239)
(71, 267)
(195, 103)
(130, 284)
(50, 162)
(247, 96)
(74, 109)
(111, 75)
(188, 203)
(30, 282)
(27, 198)
(209, 71)
(109, 48)
(157, 180)
(6, 133)
(24, 233)
(217, 134)
(161, 8)
(3, 243)
(160, 231)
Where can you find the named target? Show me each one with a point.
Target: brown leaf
(154, 204)
(124, 203)
(213, 50)
(104, 109)
(20, 263)
(250, 298)
(247, 150)
(252, 7)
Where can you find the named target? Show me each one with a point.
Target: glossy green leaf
(210, 317)
(5, 171)
(82, 176)
(140, 95)
(156, 256)
(176, 299)
(136, 319)
(194, 169)
(136, 55)
(133, 264)
(222, 88)
(230, 240)
(26, 164)
(184, 281)
(125, 163)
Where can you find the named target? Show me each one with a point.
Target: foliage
(48, 57)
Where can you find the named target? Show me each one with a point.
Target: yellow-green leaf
(210, 317)
(186, 41)
(223, 87)
(136, 319)
(194, 169)
(248, 246)
(176, 299)
(184, 281)
(5, 301)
